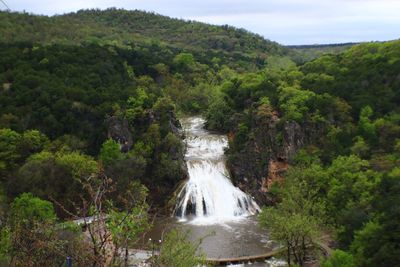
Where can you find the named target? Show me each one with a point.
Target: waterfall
(209, 193)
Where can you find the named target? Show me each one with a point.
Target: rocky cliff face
(267, 154)
(118, 130)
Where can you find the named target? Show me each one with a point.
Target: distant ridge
(323, 45)
(121, 27)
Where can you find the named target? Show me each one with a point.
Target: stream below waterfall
(210, 206)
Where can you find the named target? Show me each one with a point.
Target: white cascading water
(209, 195)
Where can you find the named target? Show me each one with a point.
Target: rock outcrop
(265, 157)
(276, 170)
(118, 130)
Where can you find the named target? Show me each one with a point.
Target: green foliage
(279, 63)
(360, 147)
(294, 231)
(5, 245)
(351, 181)
(173, 144)
(364, 75)
(146, 30)
(347, 187)
(3, 204)
(26, 209)
(32, 141)
(218, 115)
(346, 192)
(362, 245)
(32, 233)
(79, 165)
(241, 136)
(33, 237)
(376, 244)
(184, 61)
(110, 152)
(177, 251)
(388, 132)
(293, 102)
(68, 75)
(339, 258)
(17, 147)
(127, 226)
(69, 96)
(365, 125)
(152, 138)
(141, 100)
(9, 141)
(54, 176)
(156, 156)
(346, 120)
(296, 221)
(306, 53)
(167, 168)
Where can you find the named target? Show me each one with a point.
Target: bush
(178, 251)
(339, 258)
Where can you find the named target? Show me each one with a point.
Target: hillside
(126, 28)
(89, 103)
(330, 129)
(305, 53)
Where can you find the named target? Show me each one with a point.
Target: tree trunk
(126, 255)
(304, 249)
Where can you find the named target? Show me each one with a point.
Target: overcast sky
(284, 21)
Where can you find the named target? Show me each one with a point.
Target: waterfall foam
(208, 195)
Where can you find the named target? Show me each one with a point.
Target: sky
(289, 22)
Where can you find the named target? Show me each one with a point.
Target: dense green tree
(296, 221)
(364, 75)
(377, 243)
(32, 234)
(352, 186)
(339, 258)
(218, 115)
(9, 141)
(241, 136)
(110, 152)
(54, 176)
(164, 109)
(32, 141)
(27, 210)
(365, 125)
(184, 61)
(294, 102)
(64, 78)
(360, 147)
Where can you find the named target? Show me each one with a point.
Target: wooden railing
(252, 258)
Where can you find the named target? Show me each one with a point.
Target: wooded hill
(77, 88)
(126, 28)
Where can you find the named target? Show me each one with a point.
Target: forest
(90, 102)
